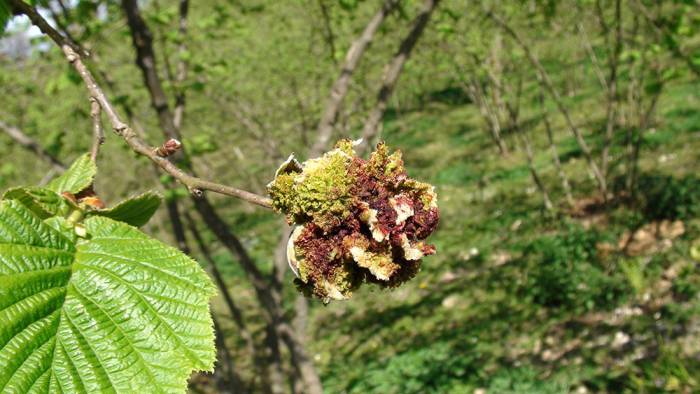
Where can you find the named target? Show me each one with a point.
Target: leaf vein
(14, 372)
(138, 353)
(141, 264)
(191, 356)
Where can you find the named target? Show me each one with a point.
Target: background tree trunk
(341, 85)
(392, 73)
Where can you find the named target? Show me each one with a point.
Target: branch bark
(533, 171)
(235, 381)
(142, 39)
(328, 34)
(393, 71)
(341, 85)
(98, 135)
(611, 110)
(591, 55)
(181, 71)
(513, 109)
(493, 123)
(235, 312)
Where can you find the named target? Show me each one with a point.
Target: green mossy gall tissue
(357, 221)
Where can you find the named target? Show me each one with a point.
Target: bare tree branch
(546, 82)
(328, 30)
(61, 25)
(341, 85)
(146, 60)
(235, 380)
(181, 65)
(393, 71)
(591, 54)
(493, 123)
(612, 104)
(194, 184)
(564, 179)
(236, 313)
(98, 137)
(513, 110)
(28, 143)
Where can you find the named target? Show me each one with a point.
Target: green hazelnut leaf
(42, 202)
(115, 311)
(77, 178)
(135, 211)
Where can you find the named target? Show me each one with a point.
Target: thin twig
(181, 75)
(548, 85)
(44, 26)
(194, 184)
(98, 135)
(328, 34)
(591, 54)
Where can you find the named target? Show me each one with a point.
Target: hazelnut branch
(195, 185)
(98, 137)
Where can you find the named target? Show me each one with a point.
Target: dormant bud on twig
(169, 148)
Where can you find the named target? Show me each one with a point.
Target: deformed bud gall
(356, 220)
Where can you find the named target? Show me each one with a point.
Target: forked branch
(194, 184)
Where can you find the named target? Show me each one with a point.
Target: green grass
(470, 321)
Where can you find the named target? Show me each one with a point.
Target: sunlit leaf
(115, 311)
(78, 177)
(42, 202)
(135, 211)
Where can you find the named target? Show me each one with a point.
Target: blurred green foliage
(567, 273)
(517, 300)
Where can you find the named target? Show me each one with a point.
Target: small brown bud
(168, 148)
(89, 198)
